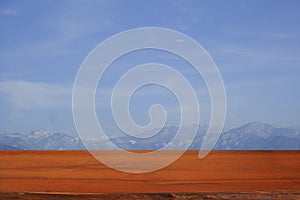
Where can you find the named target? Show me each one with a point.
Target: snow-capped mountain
(164, 138)
(259, 136)
(251, 136)
(7, 147)
(41, 140)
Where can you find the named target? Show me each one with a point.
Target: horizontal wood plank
(220, 171)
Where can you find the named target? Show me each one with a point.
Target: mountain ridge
(250, 136)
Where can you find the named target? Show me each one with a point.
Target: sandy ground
(220, 173)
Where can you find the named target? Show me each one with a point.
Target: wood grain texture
(220, 171)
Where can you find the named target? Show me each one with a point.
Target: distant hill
(260, 136)
(41, 140)
(251, 136)
(7, 147)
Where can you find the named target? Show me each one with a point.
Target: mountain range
(39, 140)
(251, 136)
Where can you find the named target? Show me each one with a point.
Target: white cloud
(24, 95)
(9, 11)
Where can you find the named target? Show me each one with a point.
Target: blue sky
(255, 44)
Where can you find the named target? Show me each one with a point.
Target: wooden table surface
(221, 171)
